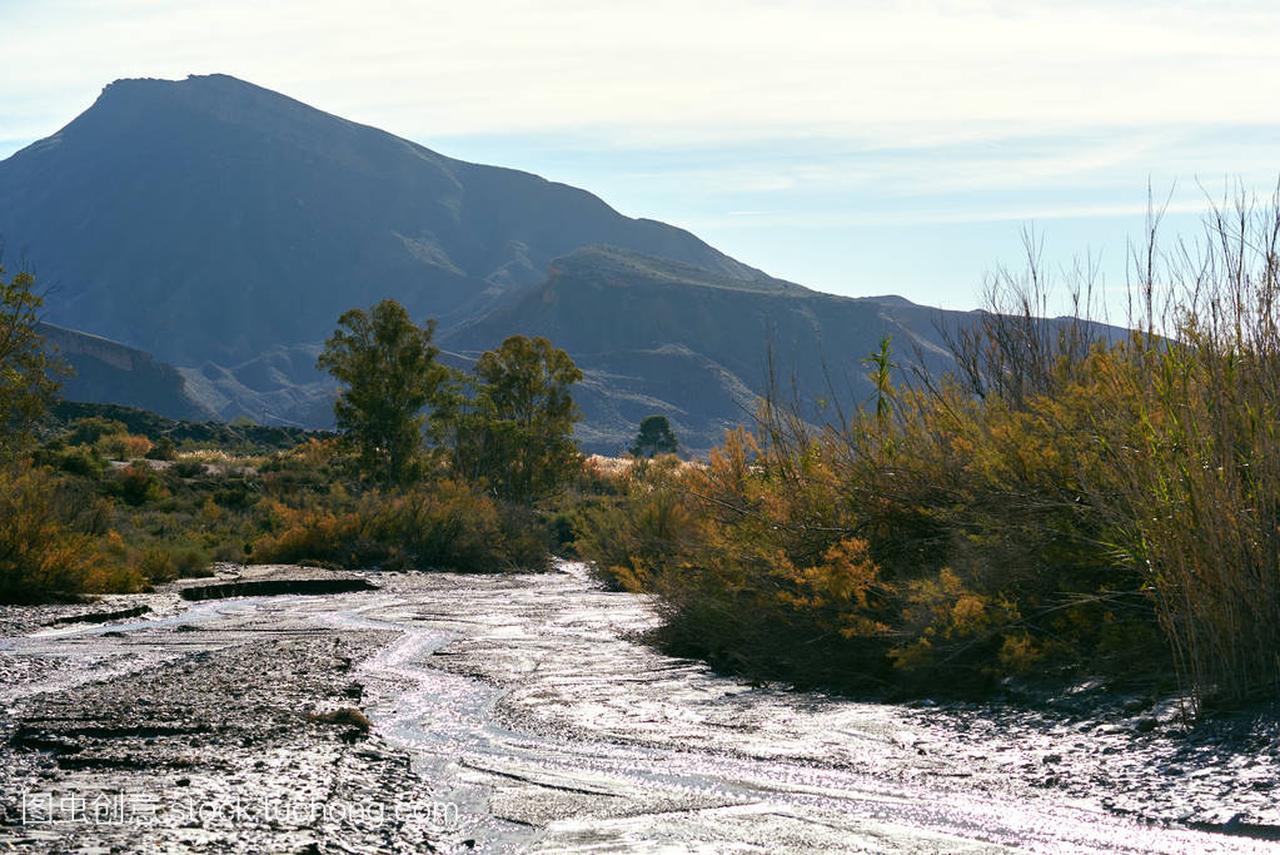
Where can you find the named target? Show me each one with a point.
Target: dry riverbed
(447, 713)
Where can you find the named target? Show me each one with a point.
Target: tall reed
(1073, 498)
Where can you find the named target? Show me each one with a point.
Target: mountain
(223, 228)
(281, 386)
(107, 372)
(212, 220)
(657, 336)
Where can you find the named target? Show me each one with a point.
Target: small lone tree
(27, 383)
(881, 376)
(655, 437)
(516, 427)
(389, 370)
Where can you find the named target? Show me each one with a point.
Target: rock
(1145, 725)
(267, 580)
(343, 715)
(102, 617)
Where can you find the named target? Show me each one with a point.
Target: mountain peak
(216, 79)
(219, 96)
(193, 89)
(193, 85)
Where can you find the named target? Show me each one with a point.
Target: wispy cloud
(946, 216)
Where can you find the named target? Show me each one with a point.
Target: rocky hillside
(107, 372)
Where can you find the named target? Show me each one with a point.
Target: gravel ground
(200, 738)
(517, 713)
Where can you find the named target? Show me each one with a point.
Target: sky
(854, 147)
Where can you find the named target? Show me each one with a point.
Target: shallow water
(527, 703)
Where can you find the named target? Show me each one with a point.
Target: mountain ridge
(107, 372)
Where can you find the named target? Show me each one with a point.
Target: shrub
(137, 484)
(87, 431)
(641, 525)
(41, 556)
(1065, 501)
(314, 536)
(123, 446)
(188, 468)
(164, 563)
(528, 537)
(238, 494)
(164, 449)
(444, 525)
(79, 460)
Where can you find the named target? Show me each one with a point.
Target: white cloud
(957, 215)
(666, 70)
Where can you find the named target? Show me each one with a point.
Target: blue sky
(855, 147)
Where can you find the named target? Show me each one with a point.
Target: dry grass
(348, 716)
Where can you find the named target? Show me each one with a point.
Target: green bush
(237, 494)
(164, 563)
(640, 525)
(42, 556)
(188, 468)
(444, 525)
(164, 449)
(137, 484)
(80, 460)
(440, 525)
(88, 431)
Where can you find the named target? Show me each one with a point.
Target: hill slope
(656, 336)
(107, 372)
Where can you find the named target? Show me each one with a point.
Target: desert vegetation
(432, 468)
(1070, 500)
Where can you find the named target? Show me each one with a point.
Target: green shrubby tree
(88, 430)
(512, 425)
(655, 437)
(388, 367)
(27, 381)
(163, 449)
